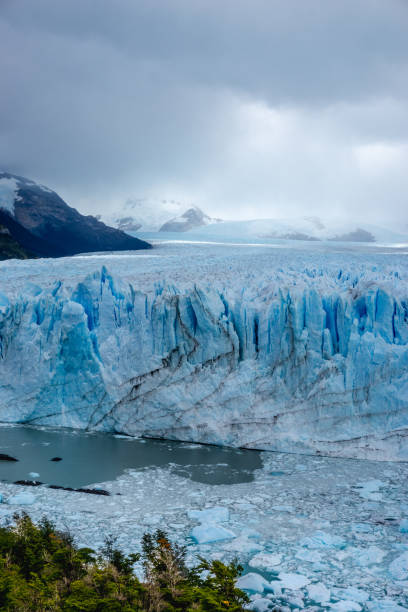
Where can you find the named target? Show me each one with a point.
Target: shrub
(42, 570)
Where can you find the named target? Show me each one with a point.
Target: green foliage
(10, 248)
(41, 570)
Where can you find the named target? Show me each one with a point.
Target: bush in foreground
(42, 570)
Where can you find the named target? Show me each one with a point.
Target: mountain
(158, 215)
(43, 224)
(190, 219)
(305, 228)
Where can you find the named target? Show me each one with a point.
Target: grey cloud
(249, 108)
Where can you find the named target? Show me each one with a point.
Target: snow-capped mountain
(305, 228)
(158, 215)
(41, 223)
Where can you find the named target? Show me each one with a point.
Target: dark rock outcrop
(5, 457)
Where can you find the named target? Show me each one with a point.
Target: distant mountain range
(35, 221)
(167, 215)
(305, 228)
(157, 215)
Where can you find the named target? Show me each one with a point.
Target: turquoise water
(89, 458)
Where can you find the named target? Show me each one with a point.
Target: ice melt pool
(95, 457)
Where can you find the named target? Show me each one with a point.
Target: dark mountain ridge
(43, 224)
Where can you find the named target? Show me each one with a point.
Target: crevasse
(299, 370)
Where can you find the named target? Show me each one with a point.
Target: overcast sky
(255, 108)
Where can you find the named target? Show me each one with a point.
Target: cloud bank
(249, 109)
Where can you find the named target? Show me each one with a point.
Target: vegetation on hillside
(42, 570)
(10, 248)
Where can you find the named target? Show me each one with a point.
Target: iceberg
(261, 604)
(384, 605)
(211, 533)
(399, 567)
(320, 539)
(346, 606)
(252, 583)
(265, 561)
(292, 581)
(22, 499)
(318, 593)
(216, 514)
(259, 348)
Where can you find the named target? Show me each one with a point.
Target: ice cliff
(295, 359)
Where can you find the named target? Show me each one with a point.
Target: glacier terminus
(259, 346)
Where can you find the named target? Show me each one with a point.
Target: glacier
(268, 347)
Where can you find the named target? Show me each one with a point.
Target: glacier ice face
(254, 347)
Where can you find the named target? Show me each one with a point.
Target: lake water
(97, 457)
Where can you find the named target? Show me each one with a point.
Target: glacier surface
(299, 350)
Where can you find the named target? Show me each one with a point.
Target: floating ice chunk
(320, 539)
(22, 499)
(295, 601)
(353, 594)
(346, 606)
(368, 556)
(318, 592)
(250, 533)
(293, 581)
(361, 527)
(404, 526)
(34, 475)
(283, 508)
(308, 555)
(152, 519)
(369, 489)
(265, 560)
(243, 545)
(384, 605)
(399, 567)
(218, 514)
(211, 533)
(1, 498)
(253, 583)
(260, 605)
